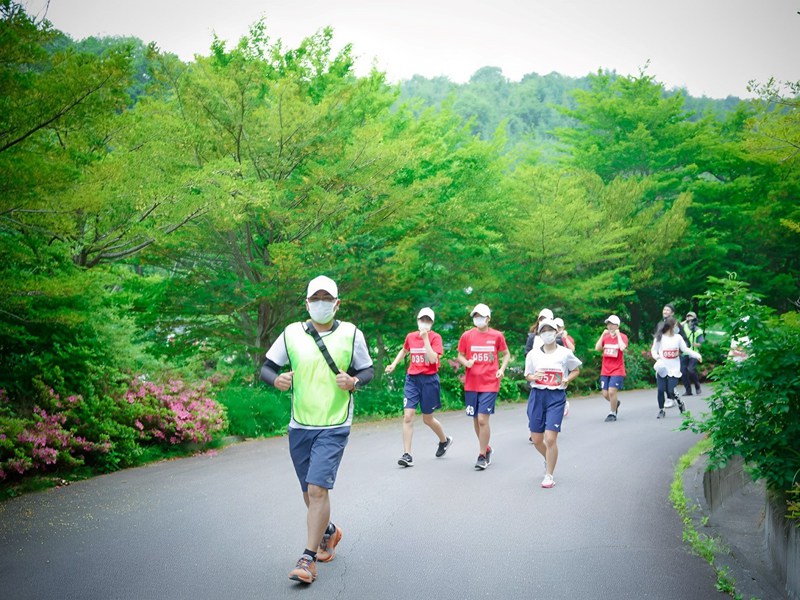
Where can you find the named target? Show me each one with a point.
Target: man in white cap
(328, 361)
(478, 351)
(612, 343)
(421, 386)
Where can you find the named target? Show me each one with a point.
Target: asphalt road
(232, 524)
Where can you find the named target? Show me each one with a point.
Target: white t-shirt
(550, 368)
(361, 360)
(667, 354)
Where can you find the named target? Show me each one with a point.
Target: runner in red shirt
(612, 344)
(422, 383)
(478, 351)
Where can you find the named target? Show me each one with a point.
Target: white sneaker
(548, 481)
(669, 403)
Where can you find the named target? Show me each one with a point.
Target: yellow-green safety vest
(316, 399)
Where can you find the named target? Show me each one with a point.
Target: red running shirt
(416, 349)
(613, 357)
(483, 347)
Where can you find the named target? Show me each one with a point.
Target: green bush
(379, 400)
(755, 406)
(74, 436)
(639, 366)
(255, 410)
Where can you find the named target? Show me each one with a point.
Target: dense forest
(161, 217)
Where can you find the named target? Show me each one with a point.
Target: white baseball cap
(613, 319)
(426, 312)
(546, 313)
(322, 283)
(559, 321)
(482, 310)
(547, 323)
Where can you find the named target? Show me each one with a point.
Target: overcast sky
(710, 47)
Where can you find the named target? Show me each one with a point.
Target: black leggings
(665, 384)
(690, 375)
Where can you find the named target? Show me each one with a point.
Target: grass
(701, 544)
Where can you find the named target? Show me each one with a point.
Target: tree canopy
(155, 212)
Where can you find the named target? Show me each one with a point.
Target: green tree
(629, 127)
(55, 113)
(302, 162)
(579, 245)
(58, 107)
(753, 411)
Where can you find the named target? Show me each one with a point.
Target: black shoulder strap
(311, 330)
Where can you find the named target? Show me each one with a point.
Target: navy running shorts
(612, 381)
(546, 410)
(423, 391)
(316, 454)
(480, 403)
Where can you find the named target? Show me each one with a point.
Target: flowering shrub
(41, 443)
(175, 412)
(105, 432)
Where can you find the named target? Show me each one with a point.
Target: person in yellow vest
(328, 360)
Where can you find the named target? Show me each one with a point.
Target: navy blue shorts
(546, 410)
(612, 381)
(316, 454)
(480, 403)
(423, 391)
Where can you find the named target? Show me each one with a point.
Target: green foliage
(793, 504)
(255, 410)
(753, 412)
(379, 401)
(157, 214)
(527, 111)
(639, 366)
(701, 544)
(57, 107)
(628, 126)
(71, 435)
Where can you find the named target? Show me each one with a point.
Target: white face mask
(480, 321)
(322, 311)
(548, 337)
(423, 326)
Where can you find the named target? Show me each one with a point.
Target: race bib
(611, 351)
(418, 356)
(671, 353)
(482, 354)
(548, 377)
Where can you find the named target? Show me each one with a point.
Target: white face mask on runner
(423, 325)
(548, 337)
(322, 311)
(480, 321)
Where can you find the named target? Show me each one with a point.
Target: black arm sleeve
(269, 371)
(364, 375)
